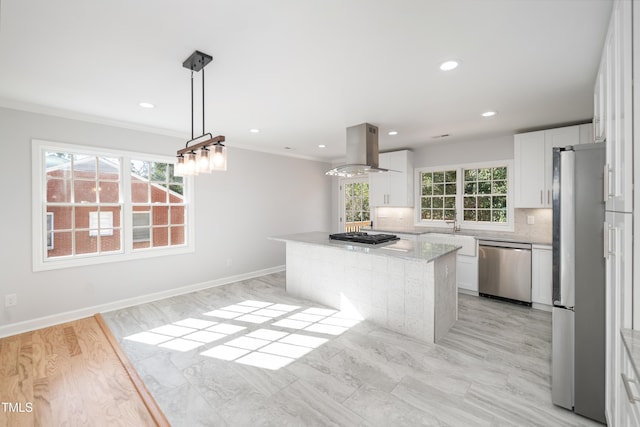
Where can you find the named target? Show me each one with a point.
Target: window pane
(110, 243)
(426, 202)
(484, 174)
(484, 202)
(84, 167)
(366, 216)
(450, 176)
(85, 244)
(437, 214)
(61, 244)
(484, 215)
(470, 174)
(499, 173)
(177, 215)
(82, 216)
(500, 187)
(426, 213)
(84, 191)
(499, 215)
(469, 215)
(438, 202)
(139, 192)
(449, 214)
(61, 217)
(172, 176)
(499, 202)
(450, 202)
(109, 168)
(160, 236)
(176, 193)
(438, 177)
(58, 165)
(177, 236)
(160, 215)
(158, 172)
(109, 192)
(58, 190)
(438, 189)
(470, 188)
(484, 187)
(469, 202)
(450, 189)
(140, 170)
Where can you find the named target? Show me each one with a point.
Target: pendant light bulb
(180, 167)
(204, 162)
(191, 167)
(219, 158)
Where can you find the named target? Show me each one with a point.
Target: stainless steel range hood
(362, 152)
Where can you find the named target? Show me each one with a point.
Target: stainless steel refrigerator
(578, 333)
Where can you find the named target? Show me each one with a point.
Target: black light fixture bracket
(197, 61)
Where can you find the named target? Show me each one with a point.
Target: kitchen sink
(468, 243)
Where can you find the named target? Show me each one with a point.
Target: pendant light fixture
(204, 155)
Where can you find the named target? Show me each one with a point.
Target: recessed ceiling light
(449, 65)
(489, 113)
(146, 105)
(254, 130)
(322, 146)
(392, 132)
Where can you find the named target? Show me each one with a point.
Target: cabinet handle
(606, 182)
(605, 240)
(548, 197)
(626, 380)
(541, 197)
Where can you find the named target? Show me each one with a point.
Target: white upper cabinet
(393, 188)
(613, 109)
(533, 152)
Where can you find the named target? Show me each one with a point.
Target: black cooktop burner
(360, 237)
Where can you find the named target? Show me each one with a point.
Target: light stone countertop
(502, 236)
(631, 340)
(404, 249)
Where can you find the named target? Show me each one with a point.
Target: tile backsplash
(539, 231)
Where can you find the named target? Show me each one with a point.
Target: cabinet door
(541, 275)
(400, 182)
(618, 296)
(378, 189)
(467, 272)
(530, 169)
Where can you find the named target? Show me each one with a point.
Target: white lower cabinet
(628, 393)
(541, 275)
(467, 272)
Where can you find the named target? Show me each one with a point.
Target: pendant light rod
(192, 121)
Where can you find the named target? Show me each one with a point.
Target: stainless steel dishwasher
(504, 270)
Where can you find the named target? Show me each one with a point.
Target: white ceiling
(303, 70)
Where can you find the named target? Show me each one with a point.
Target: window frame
(468, 225)
(40, 261)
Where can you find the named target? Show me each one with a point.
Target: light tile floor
(248, 354)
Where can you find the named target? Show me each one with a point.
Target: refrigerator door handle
(605, 180)
(606, 241)
(567, 231)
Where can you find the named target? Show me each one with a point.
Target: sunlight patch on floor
(264, 347)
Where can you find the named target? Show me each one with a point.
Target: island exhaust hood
(362, 152)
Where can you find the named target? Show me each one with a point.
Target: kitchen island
(406, 286)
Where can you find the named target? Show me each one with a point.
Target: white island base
(396, 286)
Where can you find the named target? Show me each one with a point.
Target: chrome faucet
(456, 226)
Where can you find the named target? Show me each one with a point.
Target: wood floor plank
(69, 374)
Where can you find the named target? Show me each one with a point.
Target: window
(94, 203)
(477, 196)
(485, 195)
(438, 195)
(356, 204)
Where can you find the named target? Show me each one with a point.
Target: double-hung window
(94, 206)
(476, 196)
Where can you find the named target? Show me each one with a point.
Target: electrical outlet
(10, 300)
(531, 219)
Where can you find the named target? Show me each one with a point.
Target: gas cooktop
(361, 237)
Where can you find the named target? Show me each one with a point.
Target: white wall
(260, 195)
(469, 151)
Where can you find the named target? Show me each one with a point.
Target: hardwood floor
(69, 374)
(249, 354)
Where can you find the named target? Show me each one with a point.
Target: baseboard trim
(468, 292)
(56, 319)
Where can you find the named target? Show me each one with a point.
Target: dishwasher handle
(501, 244)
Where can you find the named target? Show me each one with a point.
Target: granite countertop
(631, 340)
(405, 249)
(478, 234)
